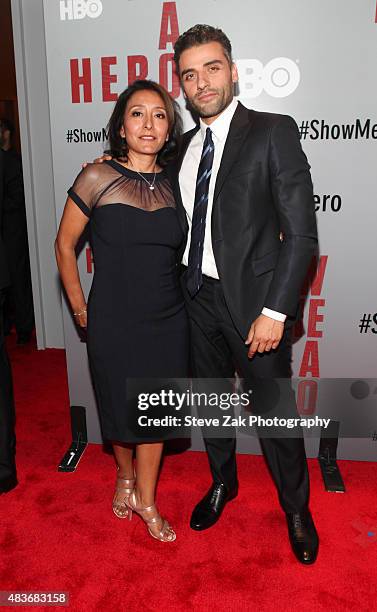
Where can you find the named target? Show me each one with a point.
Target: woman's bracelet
(77, 314)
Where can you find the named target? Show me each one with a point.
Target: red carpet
(58, 532)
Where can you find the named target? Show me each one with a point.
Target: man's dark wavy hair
(118, 145)
(201, 34)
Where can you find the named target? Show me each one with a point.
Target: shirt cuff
(278, 316)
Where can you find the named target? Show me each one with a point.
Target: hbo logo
(279, 78)
(78, 9)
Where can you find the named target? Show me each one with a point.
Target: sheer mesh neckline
(132, 173)
(99, 185)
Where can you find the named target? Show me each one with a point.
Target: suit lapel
(238, 131)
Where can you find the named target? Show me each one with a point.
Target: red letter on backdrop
(307, 402)
(165, 59)
(310, 361)
(142, 63)
(169, 15)
(85, 80)
(314, 318)
(107, 79)
(317, 283)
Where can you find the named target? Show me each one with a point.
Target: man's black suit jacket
(263, 187)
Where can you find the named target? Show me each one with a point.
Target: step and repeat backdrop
(312, 60)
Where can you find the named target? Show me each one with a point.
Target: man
(20, 297)
(245, 199)
(6, 134)
(8, 477)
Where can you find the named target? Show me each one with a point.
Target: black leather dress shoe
(208, 511)
(303, 536)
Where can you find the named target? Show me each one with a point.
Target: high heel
(151, 517)
(126, 486)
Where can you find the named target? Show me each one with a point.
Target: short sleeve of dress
(84, 189)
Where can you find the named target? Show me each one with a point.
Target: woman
(137, 325)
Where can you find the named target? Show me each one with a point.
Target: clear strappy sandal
(152, 519)
(126, 486)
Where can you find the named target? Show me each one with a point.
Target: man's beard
(215, 107)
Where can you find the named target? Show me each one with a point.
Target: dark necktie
(198, 226)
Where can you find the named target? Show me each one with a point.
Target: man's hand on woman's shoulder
(98, 160)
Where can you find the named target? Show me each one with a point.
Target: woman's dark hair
(118, 145)
(201, 34)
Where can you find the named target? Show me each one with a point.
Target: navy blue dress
(137, 324)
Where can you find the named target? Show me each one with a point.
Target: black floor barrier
(79, 440)
(331, 475)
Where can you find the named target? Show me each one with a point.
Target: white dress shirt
(187, 183)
